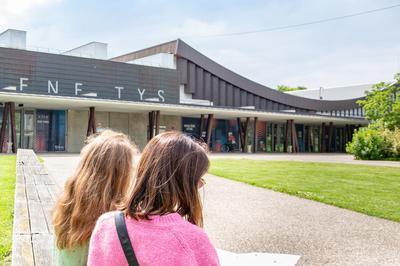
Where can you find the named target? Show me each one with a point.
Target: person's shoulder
(108, 216)
(192, 227)
(195, 233)
(105, 220)
(199, 243)
(104, 228)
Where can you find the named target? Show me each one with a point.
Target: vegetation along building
(50, 102)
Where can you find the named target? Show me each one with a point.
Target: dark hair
(168, 177)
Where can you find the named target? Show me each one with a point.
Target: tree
(284, 88)
(382, 104)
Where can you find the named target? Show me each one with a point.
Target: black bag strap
(124, 239)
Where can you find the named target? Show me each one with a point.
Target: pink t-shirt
(164, 240)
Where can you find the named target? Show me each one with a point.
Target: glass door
(28, 129)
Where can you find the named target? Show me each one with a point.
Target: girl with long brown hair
(98, 185)
(161, 218)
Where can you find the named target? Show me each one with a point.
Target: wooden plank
(19, 177)
(48, 208)
(37, 218)
(55, 192)
(35, 168)
(28, 175)
(21, 217)
(37, 179)
(43, 193)
(20, 192)
(47, 179)
(43, 249)
(43, 170)
(22, 253)
(31, 193)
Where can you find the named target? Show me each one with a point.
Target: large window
(50, 130)
(191, 126)
(261, 136)
(275, 137)
(224, 134)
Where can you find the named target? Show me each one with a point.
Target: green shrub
(369, 143)
(394, 139)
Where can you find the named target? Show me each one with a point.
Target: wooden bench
(35, 195)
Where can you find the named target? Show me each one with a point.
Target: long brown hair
(98, 186)
(168, 179)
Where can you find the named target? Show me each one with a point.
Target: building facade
(52, 102)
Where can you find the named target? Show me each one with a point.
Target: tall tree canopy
(284, 88)
(382, 104)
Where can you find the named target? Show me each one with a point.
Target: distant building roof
(334, 94)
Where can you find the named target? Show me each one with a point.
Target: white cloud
(198, 28)
(12, 10)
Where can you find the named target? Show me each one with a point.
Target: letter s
(160, 94)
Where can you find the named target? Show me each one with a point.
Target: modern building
(52, 102)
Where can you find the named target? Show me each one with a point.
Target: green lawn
(7, 187)
(372, 190)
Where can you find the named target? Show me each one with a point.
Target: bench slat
(37, 218)
(43, 249)
(22, 253)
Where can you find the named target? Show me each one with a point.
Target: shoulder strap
(124, 239)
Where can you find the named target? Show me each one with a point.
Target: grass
(7, 187)
(372, 190)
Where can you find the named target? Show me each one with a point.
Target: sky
(358, 50)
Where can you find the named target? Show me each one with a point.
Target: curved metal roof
(183, 50)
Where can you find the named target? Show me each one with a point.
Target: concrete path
(243, 218)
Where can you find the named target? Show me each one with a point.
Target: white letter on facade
(141, 93)
(22, 84)
(119, 91)
(51, 87)
(77, 85)
(160, 94)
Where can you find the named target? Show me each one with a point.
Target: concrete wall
(102, 119)
(171, 122)
(76, 129)
(96, 50)
(120, 122)
(13, 39)
(133, 124)
(138, 124)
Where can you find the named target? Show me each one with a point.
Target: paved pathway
(243, 218)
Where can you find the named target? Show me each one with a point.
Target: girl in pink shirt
(162, 211)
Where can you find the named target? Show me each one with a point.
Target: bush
(394, 139)
(369, 143)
